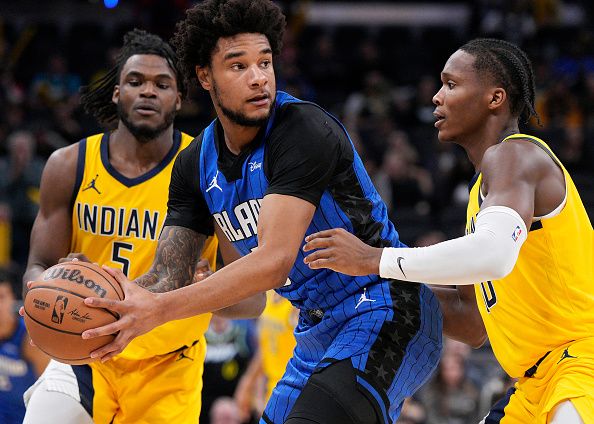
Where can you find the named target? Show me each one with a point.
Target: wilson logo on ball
(75, 276)
(59, 309)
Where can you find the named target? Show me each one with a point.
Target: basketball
(56, 316)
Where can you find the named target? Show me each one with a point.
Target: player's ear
(178, 101)
(203, 75)
(115, 97)
(497, 97)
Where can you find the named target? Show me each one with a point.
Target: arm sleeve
(490, 253)
(304, 154)
(186, 206)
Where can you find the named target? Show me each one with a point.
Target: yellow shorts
(567, 373)
(162, 389)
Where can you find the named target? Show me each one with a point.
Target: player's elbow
(497, 272)
(497, 264)
(283, 265)
(479, 337)
(277, 267)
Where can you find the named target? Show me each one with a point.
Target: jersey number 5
(116, 255)
(489, 295)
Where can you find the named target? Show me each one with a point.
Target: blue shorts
(391, 332)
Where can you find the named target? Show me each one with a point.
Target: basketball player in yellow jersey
(537, 302)
(275, 347)
(105, 196)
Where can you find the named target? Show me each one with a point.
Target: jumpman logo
(214, 183)
(183, 356)
(566, 355)
(363, 298)
(92, 185)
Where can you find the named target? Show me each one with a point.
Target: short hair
(509, 66)
(96, 98)
(196, 36)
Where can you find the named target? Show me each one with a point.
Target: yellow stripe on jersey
(116, 221)
(548, 298)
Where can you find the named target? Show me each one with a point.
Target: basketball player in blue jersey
(528, 252)
(269, 170)
(105, 196)
(20, 362)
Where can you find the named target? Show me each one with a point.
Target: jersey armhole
(80, 169)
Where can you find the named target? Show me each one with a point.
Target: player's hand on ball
(22, 313)
(341, 251)
(137, 316)
(75, 256)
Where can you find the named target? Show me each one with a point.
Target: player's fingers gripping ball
(55, 313)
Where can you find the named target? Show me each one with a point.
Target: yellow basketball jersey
(117, 220)
(276, 338)
(548, 298)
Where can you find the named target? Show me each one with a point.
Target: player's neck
(132, 157)
(237, 137)
(490, 134)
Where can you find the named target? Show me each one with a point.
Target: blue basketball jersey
(388, 330)
(235, 207)
(16, 376)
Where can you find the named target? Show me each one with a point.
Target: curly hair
(196, 36)
(509, 66)
(96, 98)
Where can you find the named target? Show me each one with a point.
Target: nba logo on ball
(59, 309)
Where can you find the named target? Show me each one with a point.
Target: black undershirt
(306, 152)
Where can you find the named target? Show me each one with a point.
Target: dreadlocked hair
(509, 66)
(196, 36)
(96, 98)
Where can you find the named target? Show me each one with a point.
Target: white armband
(490, 253)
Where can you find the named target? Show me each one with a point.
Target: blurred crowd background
(375, 66)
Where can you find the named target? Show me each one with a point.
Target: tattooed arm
(174, 266)
(175, 260)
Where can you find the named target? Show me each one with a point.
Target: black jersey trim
(538, 143)
(473, 181)
(84, 379)
(130, 182)
(80, 170)
(266, 419)
(389, 349)
(497, 412)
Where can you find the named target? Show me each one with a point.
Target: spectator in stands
(55, 84)
(451, 397)
(20, 175)
(224, 410)
(20, 362)
(230, 347)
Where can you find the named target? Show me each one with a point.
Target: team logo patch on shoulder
(517, 232)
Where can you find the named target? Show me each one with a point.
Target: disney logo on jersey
(254, 166)
(240, 223)
(516, 234)
(213, 183)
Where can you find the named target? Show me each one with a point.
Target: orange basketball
(56, 316)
